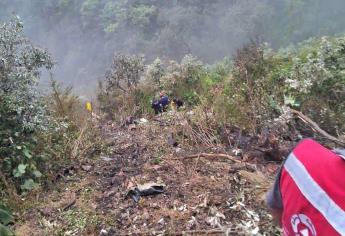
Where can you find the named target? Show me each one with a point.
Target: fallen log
(316, 127)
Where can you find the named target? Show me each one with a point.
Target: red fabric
(328, 171)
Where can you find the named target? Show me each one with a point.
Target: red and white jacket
(312, 186)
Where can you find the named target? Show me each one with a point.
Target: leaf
(5, 216)
(20, 170)
(26, 153)
(29, 184)
(4, 231)
(37, 174)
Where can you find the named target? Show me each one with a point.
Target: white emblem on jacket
(302, 225)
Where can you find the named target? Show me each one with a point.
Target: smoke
(82, 35)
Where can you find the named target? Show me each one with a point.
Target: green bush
(38, 134)
(251, 90)
(190, 80)
(22, 112)
(119, 95)
(314, 80)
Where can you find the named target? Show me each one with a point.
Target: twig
(192, 232)
(69, 205)
(195, 166)
(202, 232)
(316, 127)
(77, 142)
(215, 155)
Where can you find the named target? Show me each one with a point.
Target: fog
(82, 35)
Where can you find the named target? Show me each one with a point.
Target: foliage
(183, 80)
(155, 72)
(38, 133)
(5, 219)
(314, 80)
(72, 136)
(121, 95)
(22, 113)
(248, 88)
(141, 15)
(124, 73)
(189, 80)
(251, 91)
(84, 33)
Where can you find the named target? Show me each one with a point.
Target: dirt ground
(203, 195)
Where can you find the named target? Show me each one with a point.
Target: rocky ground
(208, 190)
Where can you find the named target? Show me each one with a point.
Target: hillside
(119, 164)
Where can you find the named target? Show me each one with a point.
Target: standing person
(308, 197)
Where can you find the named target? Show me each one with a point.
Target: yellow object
(173, 106)
(88, 106)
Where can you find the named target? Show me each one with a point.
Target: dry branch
(193, 232)
(215, 155)
(316, 127)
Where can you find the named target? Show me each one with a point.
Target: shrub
(248, 90)
(119, 94)
(125, 73)
(38, 134)
(22, 112)
(313, 80)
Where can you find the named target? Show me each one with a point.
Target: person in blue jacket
(161, 105)
(164, 101)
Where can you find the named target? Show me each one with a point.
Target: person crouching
(156, 106)
(164, 101)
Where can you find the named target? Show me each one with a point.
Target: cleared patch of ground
(202, 195)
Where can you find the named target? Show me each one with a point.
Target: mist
(82, 35)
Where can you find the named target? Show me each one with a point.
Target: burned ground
(203, 195)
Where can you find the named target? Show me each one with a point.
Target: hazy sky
(82, 35)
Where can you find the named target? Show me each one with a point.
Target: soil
(202, 196)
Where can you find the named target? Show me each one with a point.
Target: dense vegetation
(40, 133)
(249, 92)
(83, 34)
(172, 46)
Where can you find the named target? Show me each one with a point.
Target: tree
(125, 72)
(155, 71)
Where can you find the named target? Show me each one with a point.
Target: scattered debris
(226, 156)
(46, 211)
(86, 167)
(68, 171)
(212, 192)
(215, 219)
(237, 152)
(142, 121)
(145, 190)
(132, 127)
(103, 232)
(129, 120)
(104, 158)
(172, 141)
